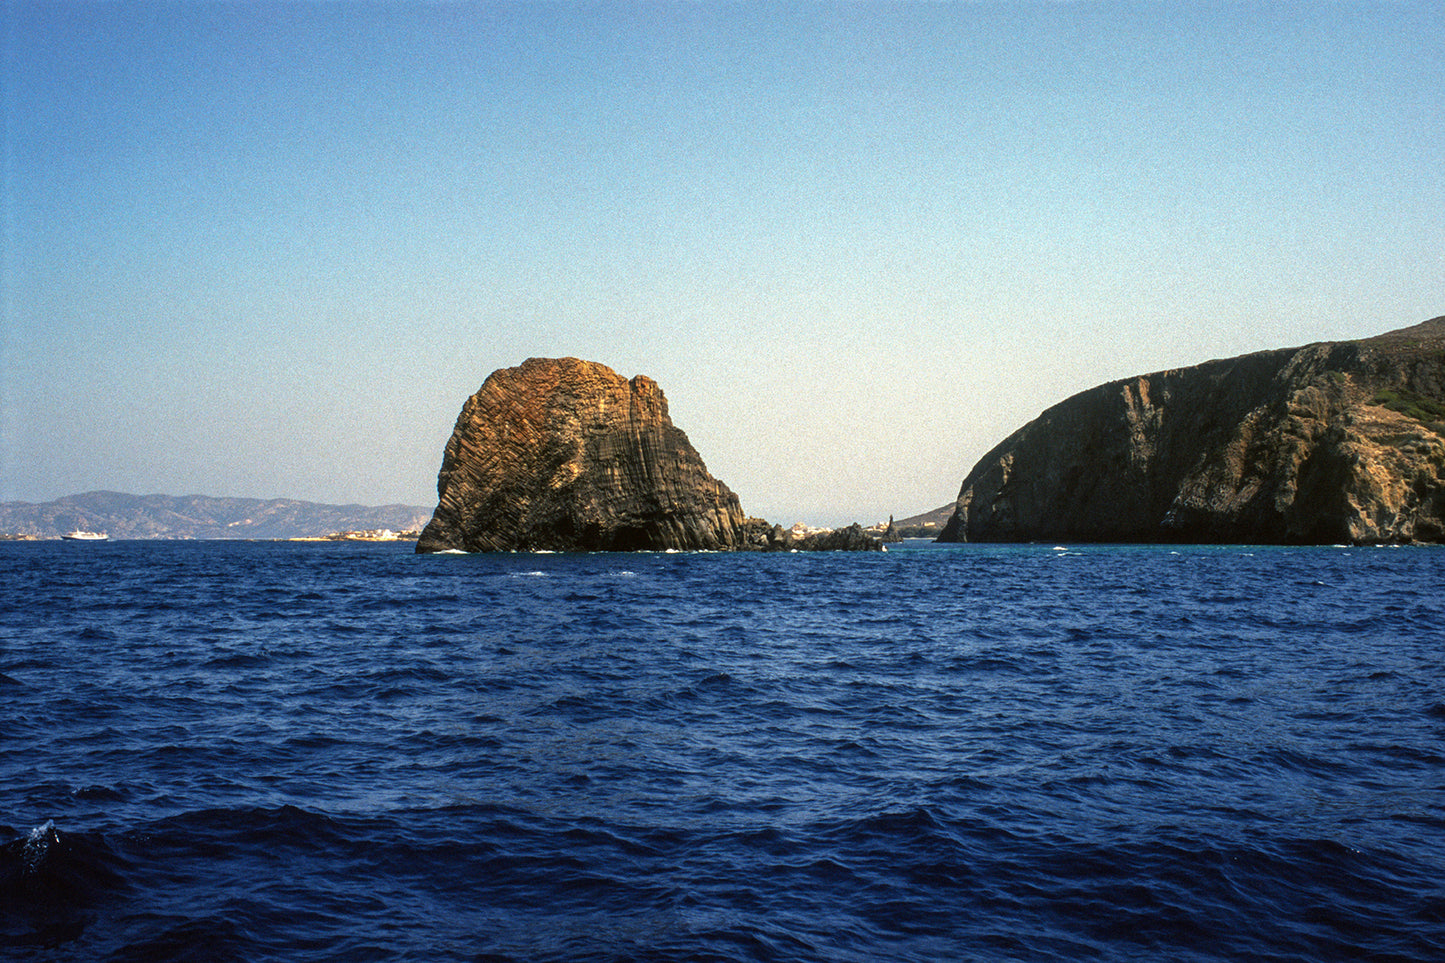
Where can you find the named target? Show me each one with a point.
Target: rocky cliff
(567, 455)
(1338, 442)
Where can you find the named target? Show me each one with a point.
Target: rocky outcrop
(567, 455)
(1338, 442)
(776, 538)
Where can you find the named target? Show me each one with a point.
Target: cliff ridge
(1334, 442)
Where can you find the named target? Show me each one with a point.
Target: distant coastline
(372, 535)
(125, 516)
(203, 517)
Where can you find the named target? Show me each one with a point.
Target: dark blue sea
(315, 751)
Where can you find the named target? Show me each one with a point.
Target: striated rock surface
(1339, 442)
(567, 455)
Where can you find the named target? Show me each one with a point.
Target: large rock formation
(1330, 443)
(567, 455)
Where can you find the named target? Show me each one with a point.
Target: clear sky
(268, 249)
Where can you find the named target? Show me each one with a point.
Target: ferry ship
(80, 536)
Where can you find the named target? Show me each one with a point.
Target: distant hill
(199, 516)
(934, 519)
(927, 525)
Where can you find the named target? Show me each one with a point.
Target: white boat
(80, 536)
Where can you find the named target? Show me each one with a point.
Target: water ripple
(291, 752)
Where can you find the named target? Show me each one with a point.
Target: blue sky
(268, 250)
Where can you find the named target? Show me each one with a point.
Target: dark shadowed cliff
(1329, 443)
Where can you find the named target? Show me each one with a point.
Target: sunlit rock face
(566, 455)
(1339, 442)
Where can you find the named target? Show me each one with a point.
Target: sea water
(276, 751)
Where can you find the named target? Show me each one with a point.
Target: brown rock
(566, 455)
(1329, 443)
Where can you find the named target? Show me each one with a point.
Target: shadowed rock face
(1330, 443)
(566, 455)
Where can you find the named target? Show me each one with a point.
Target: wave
(289, 753)
(51, 883)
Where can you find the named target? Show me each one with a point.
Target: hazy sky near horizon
(268, 249)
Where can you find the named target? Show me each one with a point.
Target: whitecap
(35, 847)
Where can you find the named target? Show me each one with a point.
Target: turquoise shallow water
(273, 751)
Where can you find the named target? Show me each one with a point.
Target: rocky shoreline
(1336, 442)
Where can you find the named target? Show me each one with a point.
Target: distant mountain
(199, 516)
(927, 525)
(935, 519)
